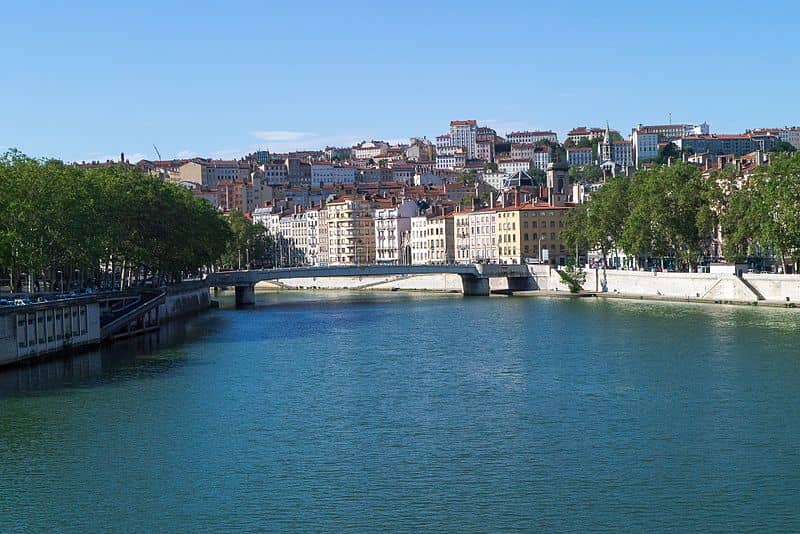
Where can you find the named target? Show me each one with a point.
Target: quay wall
(714, 287)
(450, 283)
(776, 287)
(701, 287)
(185, 299)
(38, 329)
(56, 326)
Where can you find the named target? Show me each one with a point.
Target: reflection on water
(150, 354)
(327, 411)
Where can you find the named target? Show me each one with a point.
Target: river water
(348, 411)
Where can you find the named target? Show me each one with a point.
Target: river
(330, 411)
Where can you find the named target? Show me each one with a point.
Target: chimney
(491, 200)
(122, 157)
(516, 197)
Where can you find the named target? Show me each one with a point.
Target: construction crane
(157, 152)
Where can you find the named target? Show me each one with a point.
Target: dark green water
(337, 411)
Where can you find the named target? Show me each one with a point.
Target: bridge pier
(473, 286)
(520, 283)
(246, 295)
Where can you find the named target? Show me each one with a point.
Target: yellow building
(350, 232)
(531, 232)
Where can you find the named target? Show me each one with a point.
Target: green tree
(584, 174)
(783, 146)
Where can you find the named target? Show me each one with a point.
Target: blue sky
(87, 80)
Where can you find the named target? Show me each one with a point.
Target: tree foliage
(64, 224)
(665, 212)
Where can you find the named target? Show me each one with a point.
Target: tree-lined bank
(65, 226)
(676, 213)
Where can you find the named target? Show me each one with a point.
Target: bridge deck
(230, 278)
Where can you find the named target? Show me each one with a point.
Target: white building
(391, 224)
(456, 159)
(579, 156)
(326, 173)
(465, 134)
(644, 145)
(419, 240)
(483, 236)
(513, 166)
(532, 137)
(541, 157)
(370, 150)
(496, 179)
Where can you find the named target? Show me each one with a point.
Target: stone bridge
(474, 277)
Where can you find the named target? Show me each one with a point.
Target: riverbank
(45, 329)
(779, 291)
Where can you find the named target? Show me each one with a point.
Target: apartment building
(532, 137)
(644, 145)
(370, 150)
(350, 231)
(579, 156)
(542, 156)
(391, 225)
(531, 232)
(208, 173)
(483, 236)
(327, 173)
(461, 237)
(581, 133)
(512, 166)
(441, 239)
(718, 144)
(464, 134)
(419, 240)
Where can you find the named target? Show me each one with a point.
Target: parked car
(6, 302)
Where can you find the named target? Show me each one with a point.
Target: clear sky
(87, 80)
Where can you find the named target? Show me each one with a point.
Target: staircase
(133, 319)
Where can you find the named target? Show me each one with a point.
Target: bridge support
(246, 295)
(520, 283)
(472, 286)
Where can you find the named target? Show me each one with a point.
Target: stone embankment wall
(185, 299)
(701, 287)
(711, 287)
(432, 282)
(775, 287)
(55, 326)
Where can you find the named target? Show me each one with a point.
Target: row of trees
(65, 226)
(674, 212)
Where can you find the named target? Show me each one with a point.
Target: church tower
(606, 147)
(558, 183)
